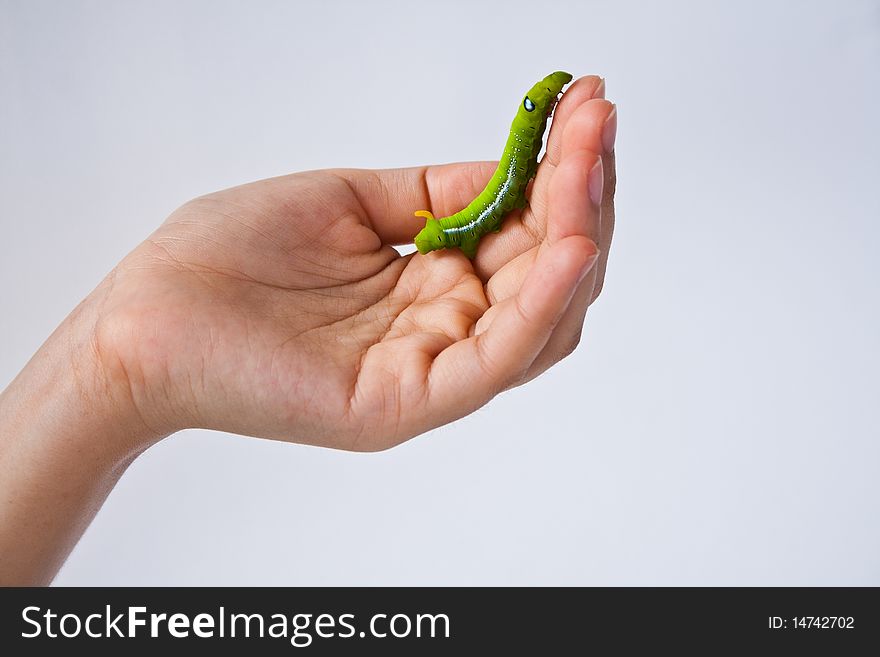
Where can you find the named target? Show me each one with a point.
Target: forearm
(67, 432)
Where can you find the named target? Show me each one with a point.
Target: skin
(506, 189)
(279, 309)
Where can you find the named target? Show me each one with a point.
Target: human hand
(279, 309)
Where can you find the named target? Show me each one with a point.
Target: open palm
(279, 309)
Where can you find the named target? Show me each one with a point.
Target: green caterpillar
(506, 189)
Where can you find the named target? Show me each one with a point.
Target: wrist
(67, 432)
(70, 395)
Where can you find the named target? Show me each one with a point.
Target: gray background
(718, 424)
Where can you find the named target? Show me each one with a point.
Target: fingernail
(609, 131)
(600, 89)
(595, 181)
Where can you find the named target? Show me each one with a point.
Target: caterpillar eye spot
(528, 105)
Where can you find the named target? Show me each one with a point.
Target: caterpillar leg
(469, 249)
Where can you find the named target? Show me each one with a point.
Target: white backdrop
(717, 425)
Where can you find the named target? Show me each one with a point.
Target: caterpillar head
(431, 237)
(541, 99)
